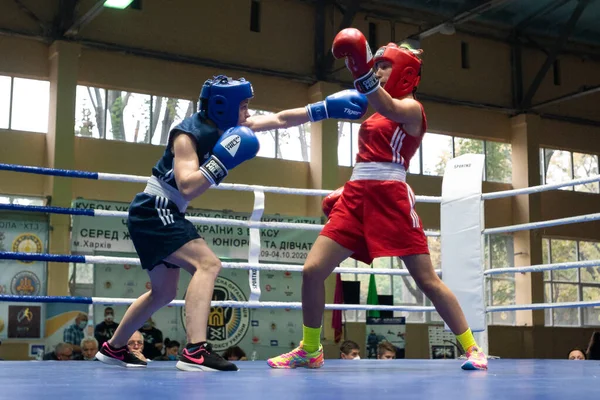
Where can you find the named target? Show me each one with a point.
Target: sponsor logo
(27, 243)
(226, 326)
(25, 283)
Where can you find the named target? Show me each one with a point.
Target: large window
(572, 284)
(438, 149)
(500, 289)
(561, 166)
(434, 153)
(143, 118)
(402, 288)
(347, 143)
(5, 94)
(22, 200)
(288, 144)
(127, 116)
(24, 104)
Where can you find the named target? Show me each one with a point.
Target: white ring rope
(275, 304)
(253, 266)
(543, 267)
(542, 224)
(250, 188)
(241, 223)
(365, 307)
(539, 188)
(261, 267)
(544, 306)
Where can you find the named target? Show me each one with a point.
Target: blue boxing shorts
(157, 228)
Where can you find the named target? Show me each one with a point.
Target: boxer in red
(373, 215)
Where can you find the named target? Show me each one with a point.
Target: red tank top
(383, 140)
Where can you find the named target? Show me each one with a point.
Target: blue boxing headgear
(220, 100)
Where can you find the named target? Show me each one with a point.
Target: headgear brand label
(226, 326)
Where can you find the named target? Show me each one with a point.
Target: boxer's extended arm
(280, 120)
(190, 180)
(347, 104)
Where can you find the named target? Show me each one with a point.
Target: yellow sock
(311, 338)
(466, 339)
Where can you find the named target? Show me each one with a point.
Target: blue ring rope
(46, 299)
(48, 171)
(48, 209)
(9, 255)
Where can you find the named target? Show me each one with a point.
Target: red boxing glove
(352, 44)
(330, 200)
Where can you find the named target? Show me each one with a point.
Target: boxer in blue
(200, 152)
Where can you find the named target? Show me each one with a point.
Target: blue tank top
(204, 135)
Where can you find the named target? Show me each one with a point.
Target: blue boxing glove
(235, 146)
(347, 104)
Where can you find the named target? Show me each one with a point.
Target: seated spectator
(349, 350)
(135, 344)
(106, 329)
(62, 352)
(593, 350)
(386, 351)
(89, 348)
(153, 340)
(372, 342)
(576, 354)
(234, 353)
(171, 351)
(74, 334)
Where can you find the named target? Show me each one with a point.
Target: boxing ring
(405, 378)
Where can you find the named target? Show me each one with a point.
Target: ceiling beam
(545, 9)
(319, 50)
(461, 18)
(482, 30)
(562, 40)
(516, 71)
(571, 120)
(43, 25)
(352, 8)
(65, 17)
(583, 91)
(85, 19)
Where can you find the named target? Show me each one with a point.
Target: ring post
(461, 226)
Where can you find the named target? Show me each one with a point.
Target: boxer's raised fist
(353, 45)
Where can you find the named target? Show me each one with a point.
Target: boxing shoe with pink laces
(119, 356)
(476, 359)
(298, 358)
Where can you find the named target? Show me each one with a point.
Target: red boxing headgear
(406, 69)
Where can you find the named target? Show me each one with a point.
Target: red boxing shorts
(377, 218)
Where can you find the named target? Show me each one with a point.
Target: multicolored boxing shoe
(476, 359)
(298, 358)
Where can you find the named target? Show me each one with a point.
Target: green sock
(311, 338)
(466, 339)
